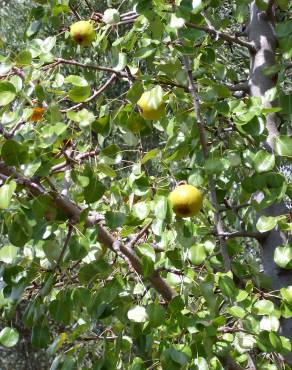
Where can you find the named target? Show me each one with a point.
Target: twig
(82, 65)
(242, 86)
(88, 5)
(93, 96)
(77, 159)
(242, 234)
(5, 134)
(234, 207)
(67, 240)
(223, 36)
(171, 270)
(138, 236)
(74, 11)
(203, 139)
(16, 127)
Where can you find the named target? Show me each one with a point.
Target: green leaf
(115, 219)
(214, 165)
(286, 294)
(122, 62)
(141, 210)
(24, 58)
(40, 336)
(8, 253)
(107, 170)
(197, 254)
(264, 307)
(227, 286)
(13, 153)
(60, 311)
(266, 223)
(283, 146)
(76, 81)
(9, 337)
(19, 231)
(79, 247)
(137, 314)
(135, 92)
(94, 270)
(146, 250)
(286, 104)
(6, 192)
(156, 315)
(283, 256)
(7, 93)
(263, 161)
(94, 191)
(151, 154)
(269, 323)
(237, 312)
(79, 94)
(178, 357)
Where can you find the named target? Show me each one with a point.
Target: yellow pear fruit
(149, 107)
(186, 200)
(82, 32)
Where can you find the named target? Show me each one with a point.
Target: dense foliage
(94, 263)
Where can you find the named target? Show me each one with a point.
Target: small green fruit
(186, 200)
(82, 32)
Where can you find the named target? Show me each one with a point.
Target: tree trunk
(262, 33)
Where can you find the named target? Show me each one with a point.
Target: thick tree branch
(270, 8)
(223, 36)
(103, 236)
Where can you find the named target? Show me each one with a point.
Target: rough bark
(261, 32)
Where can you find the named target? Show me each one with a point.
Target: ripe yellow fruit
(82, 32)
(186, 200)
(149, 107)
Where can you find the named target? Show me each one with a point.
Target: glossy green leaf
(263, 161)
(283, 256)
(7, 93)
(266, 223)
(6, 192)
(283, 146)
(9, 337)
(14, 153)
(264, 307)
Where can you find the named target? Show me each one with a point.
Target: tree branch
(67, 240)
(77, 159)
(203, 139)
(242, 234)
(103, 236)
(94, 95)
(223, 36)
(72, 62)
(270, 8)
(139, 235)
(74, 11)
